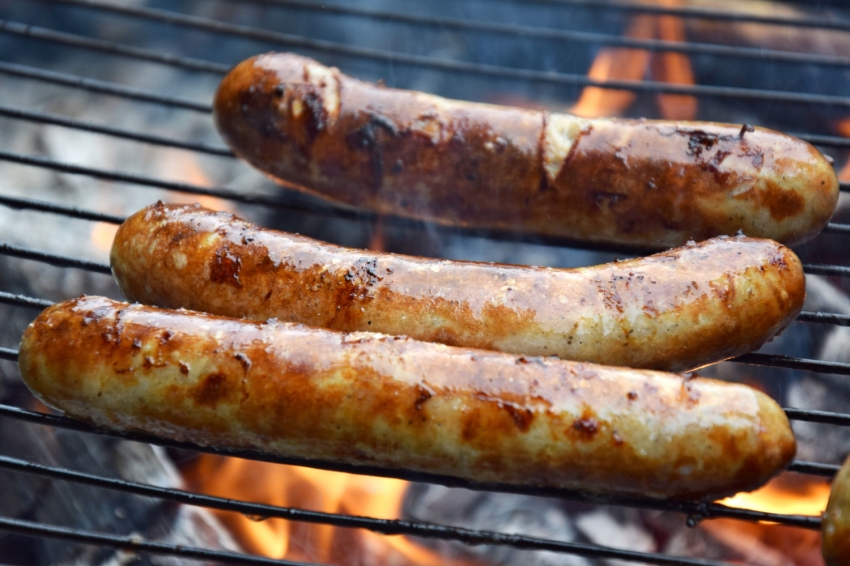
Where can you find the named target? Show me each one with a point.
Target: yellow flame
(317, 490)
(777, 497)
(102, 234)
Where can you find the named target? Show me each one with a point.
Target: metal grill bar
(54, 259)
(823, 417)
(824, 318)
(794, 414)
(536, 32)
(23, 301)
(215, 26)
(833, 270)
(814, 469)
(72, 211)
(101, 87)
(44, 34)
(57, 120)
(293, 200)
(136, 544)
(194, 64)
(381, 526)
(696, 511)
(770, 360)
(7, 354)
(834, 228)
(778, 361)
(701, 13)
(829, 141)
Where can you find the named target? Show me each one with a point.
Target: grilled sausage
(393, 402)
(836, 521)
(674, 311)
(629, 182)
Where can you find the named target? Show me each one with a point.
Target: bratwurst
(675, 311)
(835, 530)
(630, 182)
(372, 399)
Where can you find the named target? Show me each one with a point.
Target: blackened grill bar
(136, 544)
(381, 526)
(293, 200)
(572, 36)
(217, 68)
(289, 40)
(697, 511)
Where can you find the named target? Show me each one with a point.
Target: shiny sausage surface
(366, 398)
(836, 520)
(676, 310)
(630, 182)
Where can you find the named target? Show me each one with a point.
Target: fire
(844, 129)
(316, 490)
(673, 68)
(183, 167)
(616, 64)
(102, 234)
(782, 496)
(634, 64)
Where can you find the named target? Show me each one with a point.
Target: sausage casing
(373, 399)
(675, 311)
(835, 529)
(629, 182)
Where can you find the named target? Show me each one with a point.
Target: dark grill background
(492, 50)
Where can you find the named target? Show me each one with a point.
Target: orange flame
(674, 68)
(616, 64)
(316, 490)
(102, 234)
(184, 168)
(779, 496)
(843, 128)
(634, 64)
(770, 544)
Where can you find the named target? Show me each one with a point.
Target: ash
(31, 497)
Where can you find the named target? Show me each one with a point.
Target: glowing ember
(315, 490)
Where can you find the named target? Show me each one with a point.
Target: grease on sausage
(676, 310)
(377, 400)
(630, 182)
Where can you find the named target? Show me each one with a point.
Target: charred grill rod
(294, 200)
(381, 526)
(136, 544)
(293, 41)
(696, 511)
(101, 87)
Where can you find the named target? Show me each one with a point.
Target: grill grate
(293, 201)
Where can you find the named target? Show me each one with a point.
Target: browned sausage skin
(676, 310)
(836, 520)
(372, 399)
(630, 182)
